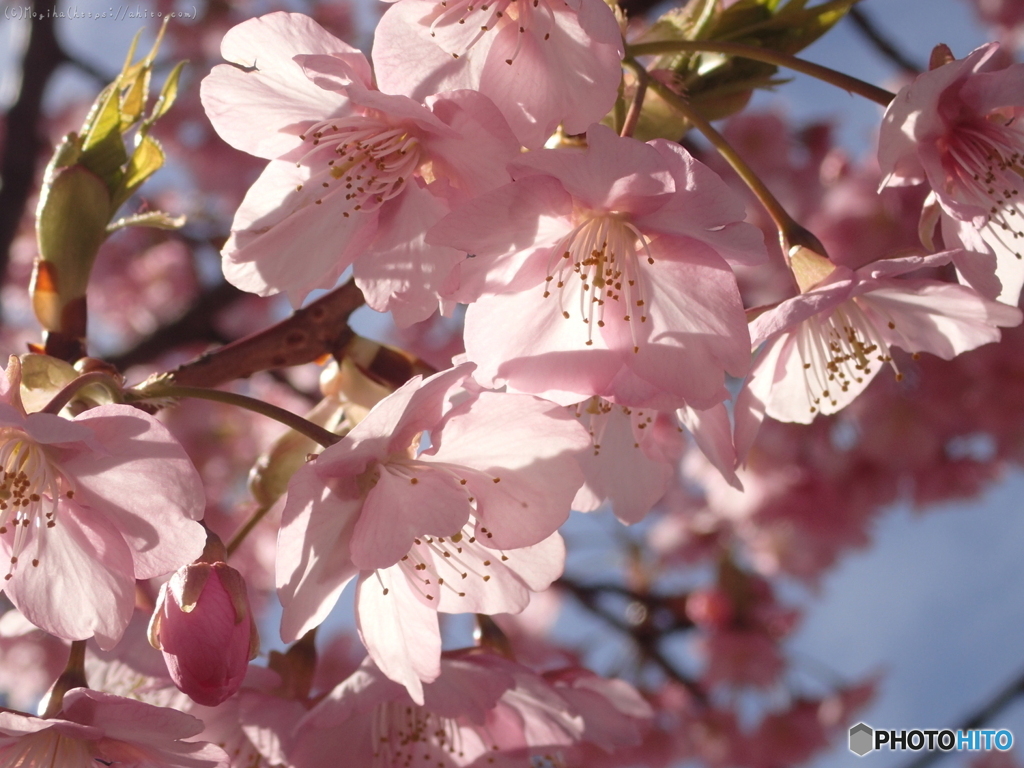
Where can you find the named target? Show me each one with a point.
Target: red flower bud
(204, 627)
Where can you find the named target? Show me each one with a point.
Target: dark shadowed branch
(867, 27)
(1002, 699)
(22, 142)
(646, 634)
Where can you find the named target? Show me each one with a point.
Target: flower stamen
(605, 252)
(30, 488)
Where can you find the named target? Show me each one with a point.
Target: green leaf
(684, 23)
(145, 161)
(155, 219)
(102, 148)
(134, 100)
(167, 95)
(67, 153)
(789, 29)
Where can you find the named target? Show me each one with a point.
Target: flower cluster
(615, 350)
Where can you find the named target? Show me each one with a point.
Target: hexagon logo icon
(862, 739)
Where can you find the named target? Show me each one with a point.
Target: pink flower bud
(204, 627)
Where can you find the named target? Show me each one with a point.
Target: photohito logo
(864, 739)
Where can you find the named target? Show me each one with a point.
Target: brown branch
(22, 142)
(311, 332)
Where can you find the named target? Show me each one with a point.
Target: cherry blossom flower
(87, 506)
(481, 710)
(635, 453)
(632, 459)
(823, 347)
(603, 272)
(346, 185)
(541, 62)
(96, 727)
(956, 127)
(613, 713)
(255, 725)
(466, 525)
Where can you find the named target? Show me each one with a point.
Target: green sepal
(168, 94)
(42, 377)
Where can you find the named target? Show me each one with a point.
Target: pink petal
(84, 585)
(499, 580)
(504, 229)
(791, 312)
(752, 401)
(139, 733)
(695, 330)
(567, 78)
(466, 689)
(398, 630)
(713, 434)
(705, 208)
(612, 174)
(396, 421)
(525, 481)
(542, 352)
(277, 217)
(10, 384)
(941, 318)
(798, 399)
(402, 273)
(277, 96)
(51, 429)
(335, 71)
(475, 160)
(145, 483)
(127, 719)
(406, 502)
(313, 562)
(622, 471)
(407, 60)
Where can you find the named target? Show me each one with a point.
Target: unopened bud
(71, 224)
(269, 476)
(204, 627)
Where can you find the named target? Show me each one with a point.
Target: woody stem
(831, 76)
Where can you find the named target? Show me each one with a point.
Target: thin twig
(979, 717)
(236, 541)
(637, 104)
(866, 26)
(161, 389)
(768, 56)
